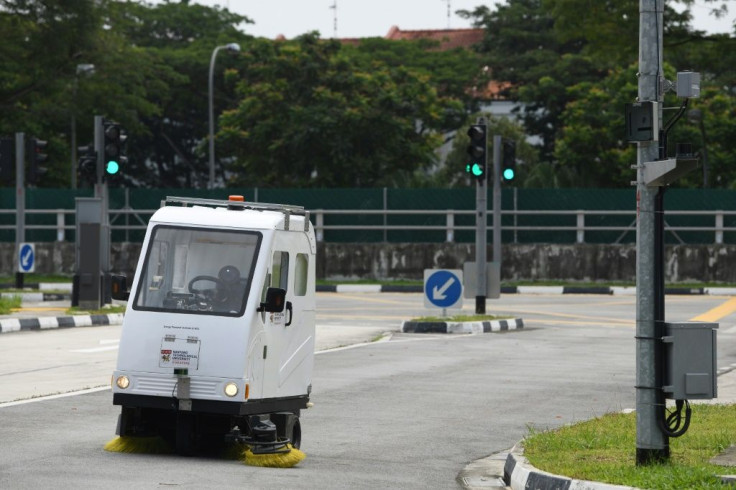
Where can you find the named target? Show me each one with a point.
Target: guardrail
(129, 219)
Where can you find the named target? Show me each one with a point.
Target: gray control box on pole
(493, 280)
(690, 361)
(88, 252)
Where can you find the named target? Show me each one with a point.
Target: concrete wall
(684, 263)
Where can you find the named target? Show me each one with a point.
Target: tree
(526, 55)
(169, 145)
(43, 42)
(309, 116)
(561, 60)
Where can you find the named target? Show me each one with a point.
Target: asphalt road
(408, 413)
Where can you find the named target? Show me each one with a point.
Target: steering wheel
(228, 277)
(217, 294)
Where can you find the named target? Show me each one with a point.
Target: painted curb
(50, 322)
(388, 288)
(38, 297)
(462, 327)
(520, 475)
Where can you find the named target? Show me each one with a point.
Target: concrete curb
(389, 288)
(462, 327)
(520, 475)
(38, 297)
(49, 322)
(612, 290)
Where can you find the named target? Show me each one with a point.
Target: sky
(363, 18)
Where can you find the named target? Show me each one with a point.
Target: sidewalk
(52, 314)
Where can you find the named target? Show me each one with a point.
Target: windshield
(192, 270)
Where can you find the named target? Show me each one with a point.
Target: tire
(185, 434)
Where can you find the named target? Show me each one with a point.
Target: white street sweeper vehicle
(217, 341)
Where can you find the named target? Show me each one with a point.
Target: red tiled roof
(448, 38)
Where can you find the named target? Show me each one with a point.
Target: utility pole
(652, 445)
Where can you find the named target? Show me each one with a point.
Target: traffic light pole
(652, 445)
(101, 191)
(497, 148)
(481, 220)
(20, 202)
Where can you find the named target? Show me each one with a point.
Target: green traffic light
(112, 167)
(474, 168)
(509, 174)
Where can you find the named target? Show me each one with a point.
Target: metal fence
(422, 225)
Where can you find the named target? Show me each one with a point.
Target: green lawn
(604, 449)
(7, 304)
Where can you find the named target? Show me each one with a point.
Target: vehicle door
(291, 333)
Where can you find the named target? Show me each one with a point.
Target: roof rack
(287, 209)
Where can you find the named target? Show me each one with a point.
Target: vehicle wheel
(296, 433)
(185, 434)
(288, 426)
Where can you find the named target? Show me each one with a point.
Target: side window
(280, 270)
(301, 270)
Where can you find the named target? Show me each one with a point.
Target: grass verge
(75, 310)
(460, 318)
(7, 304)
(604, 450)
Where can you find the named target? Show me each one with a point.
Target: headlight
(231, 389)
(122, 382)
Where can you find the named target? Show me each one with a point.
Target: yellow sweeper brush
(285, 458)
(141, 445)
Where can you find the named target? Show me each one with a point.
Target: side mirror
(119, 287)
(275, 300)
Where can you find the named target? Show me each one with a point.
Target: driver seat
(230, 277)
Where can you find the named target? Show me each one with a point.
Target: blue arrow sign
(443, 288)
(26, 257)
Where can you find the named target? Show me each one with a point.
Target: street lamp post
(88, 69)
(234, 48)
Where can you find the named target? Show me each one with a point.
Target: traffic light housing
(114, 160)
(7, 161)
(508, 165)
(478, 151)
(37, 157)
(87, 165)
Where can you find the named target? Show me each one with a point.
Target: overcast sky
(362, 18)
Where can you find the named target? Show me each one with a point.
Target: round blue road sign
(443, 289)
(26, 258)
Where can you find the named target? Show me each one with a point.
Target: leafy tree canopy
(310, 116)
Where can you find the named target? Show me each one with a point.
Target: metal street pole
(20, 202)
(81, 68)
(481, 244)
(481, 224)
(233, 47)
(497, 148)
(652, 445)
